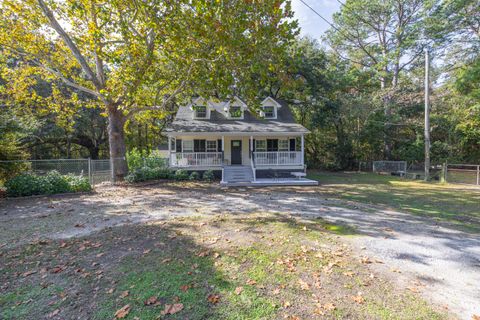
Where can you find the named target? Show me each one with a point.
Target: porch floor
(263, 182)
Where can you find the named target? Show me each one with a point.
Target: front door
(236, 151)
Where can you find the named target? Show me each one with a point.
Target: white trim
(277, 104)
(239, 134)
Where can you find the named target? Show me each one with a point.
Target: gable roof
(219, 122)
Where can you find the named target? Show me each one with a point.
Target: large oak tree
(136, 56)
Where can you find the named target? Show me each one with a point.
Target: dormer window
(200, 112)
(269, 112)
(235, 112)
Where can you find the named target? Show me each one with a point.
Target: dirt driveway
(441, 263)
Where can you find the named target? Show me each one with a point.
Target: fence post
(90, 171)
(443, 177)
(478, 175)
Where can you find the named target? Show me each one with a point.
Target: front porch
(239, 158)
(215, 151)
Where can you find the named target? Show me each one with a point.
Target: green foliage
(136, 159)
(30, 184)
(147, 173)
(194, 176)
(181, 175)
(208, 175)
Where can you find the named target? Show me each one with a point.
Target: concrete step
(237, 174)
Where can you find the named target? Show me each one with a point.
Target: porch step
(236, 174)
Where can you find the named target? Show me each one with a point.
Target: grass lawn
(457, 204)
(222, 267)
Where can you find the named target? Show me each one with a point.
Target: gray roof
(218, 122)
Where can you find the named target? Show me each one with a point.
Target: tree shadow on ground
(91, 278)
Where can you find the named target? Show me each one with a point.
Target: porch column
(303, 150)
(169, 150)
(252, 159)
(223, 150)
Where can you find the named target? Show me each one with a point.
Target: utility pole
(427, 114)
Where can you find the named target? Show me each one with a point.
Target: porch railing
(280, 158)
(196, 159)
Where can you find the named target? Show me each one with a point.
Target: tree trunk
(116, 140)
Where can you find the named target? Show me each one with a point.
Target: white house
(247, 149)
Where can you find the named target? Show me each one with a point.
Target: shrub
(147, 173)
(136, 160)
(208, 175)
(181, 175)
(29, 184)
(78, 183)
(194, 176)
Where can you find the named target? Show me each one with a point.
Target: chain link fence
(97, 171)
(462, 173)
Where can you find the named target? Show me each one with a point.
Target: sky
(311, 24)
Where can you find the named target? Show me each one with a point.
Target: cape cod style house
(246, 149)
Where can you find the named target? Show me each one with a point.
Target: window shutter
(292, 144)
(219, 145)
(253, 148)
(178, 145)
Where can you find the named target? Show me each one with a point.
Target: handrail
(278, 158)
(192, 159)
(252, 165)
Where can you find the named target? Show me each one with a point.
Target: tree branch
(70, 44)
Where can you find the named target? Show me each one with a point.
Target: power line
(318, 14)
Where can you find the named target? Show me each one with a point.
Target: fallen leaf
(26, 274)
(358, 299)
(286, 304)
(172, 308)
(185, 287)
(238, 290)
(79, 225)
(251, 282)
(110, 291)
(147, 251)
(213, 298)
(365, 260)
(122, 312)
(124, 294)
(54, 313)
(203, 253)
(304, 285)
(151, 301)
(57, 269)
(329, 306)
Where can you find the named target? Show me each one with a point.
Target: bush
(208, 175)
(147, 173)
(181, 175)
(194, 176)
(136, 160)
(30, 184)
(78, 183)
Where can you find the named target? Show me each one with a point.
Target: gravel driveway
(439, 262)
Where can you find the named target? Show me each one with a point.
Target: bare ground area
(229, 253)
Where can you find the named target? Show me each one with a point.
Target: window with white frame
(187, 146)
(200, 112)
(211, 145)
(260, 145)
(235, 112)
(269, 112)
(283, 145)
